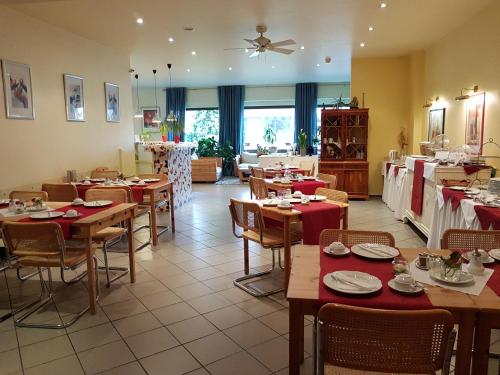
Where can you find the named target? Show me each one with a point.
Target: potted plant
(209, 147)
(270, 138)
(177, 128)
(302, 141)
(262, 150)
(163, 131)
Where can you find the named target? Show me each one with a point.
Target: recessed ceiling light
(140, 21)
(272, 67)
(383, 5)
(361, 44)
(230, 68)
(170, 39)
(370, 28)
(317, 65)
(246, 50)
(188, 70)
(193, 53)
(302, 47)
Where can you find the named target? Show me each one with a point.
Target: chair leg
(26, 277)
(107, 268)
(74, 279)
(148, 242)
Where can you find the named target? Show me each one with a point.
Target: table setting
(16, 207)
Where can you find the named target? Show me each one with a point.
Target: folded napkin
(352, 281)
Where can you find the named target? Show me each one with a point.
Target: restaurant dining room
(249, 187)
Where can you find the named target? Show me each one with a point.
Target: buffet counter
(302, 162)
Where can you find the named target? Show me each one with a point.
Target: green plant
(302, 140)
(163, 128)
(176, 127)
(269, 135)
(209, 147)
(262, 150)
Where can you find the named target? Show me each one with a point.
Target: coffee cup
(297, 194)
(71, 213)
(86, 182)
(336, 248)
(284, 204)
(78, 201)
(404, 279)
(141, 182)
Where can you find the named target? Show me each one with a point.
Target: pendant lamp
(171, 117)
(138, 113)
(157, 118)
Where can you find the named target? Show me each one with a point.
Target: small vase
(164, 138)
(177, 139)
(302, 152)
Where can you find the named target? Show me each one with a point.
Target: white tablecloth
(393, 193)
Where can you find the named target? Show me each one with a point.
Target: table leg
(287, 250)
(171, 200)
(296, 327)
(131, 250)
(345, 219)
(91, 276)
(482, 337)
(154, 229)
(464, 343)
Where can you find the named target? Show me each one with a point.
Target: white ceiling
(325, 27)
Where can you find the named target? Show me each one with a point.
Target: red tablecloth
(384, 299)
(65, 223)
(387, 167)
(315, 217)
(488, 217)
(307, 187)
(494, 281)
(470, 169)
(454, 195)
(417, 195)
(137, 191)
(396, 170)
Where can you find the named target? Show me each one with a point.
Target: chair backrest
(334, 195)
(246, 215)
(33, 239)
(462, 239)
(112, 175)
(115, 194)
(258, 187)
(28, 195)
(60, 192)
(330, 178)
(308, 166)
(354, 237)
(418, 341)
(258, 172)
(161, 176)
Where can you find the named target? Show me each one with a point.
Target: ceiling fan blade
(230, 49)
(283, 43)
(286, 51)
(252, 42)
(255, 54)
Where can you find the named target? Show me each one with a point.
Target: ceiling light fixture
(302, 47)
(430, 102)
(246, 50)
(317, 65)
(230, 68)
(475, 89)
(188, 70)
(361, 45)
(272, 67)
(171, 117)
(157, 118)
(193, 53)
(370, 28)
(171, 40)
(140, 21)
(138, 113)
(383, 5)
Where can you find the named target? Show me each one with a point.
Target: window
(256, 120)
(201, 123)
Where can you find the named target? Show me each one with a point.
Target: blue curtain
(306, 102)
(231, 107)
(176, 102)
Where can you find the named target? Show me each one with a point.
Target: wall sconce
(429, 102)
(466, 96)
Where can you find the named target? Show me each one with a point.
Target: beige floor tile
(151, 342)
(115, 293)
(192, 329)
(105, 357)
(206, 273)
(136, 324)
(228, 316)
(218, 284)
(8, 340)
(209, 303)
(88, 320)
(67, 366)
(132, 368)
(10, 362)
(200, 371)
(93, 337)
(147, 288)
(46, 351)
(212, 348)
(259, 307)
(174, 313)
(177, 281)
(124, 309)
(157, 300)
(250, 333)
(193, 264)
(240, 363)
(277, 320)
(273, 354)
(235, 295)
(191, 291)
(178, 361)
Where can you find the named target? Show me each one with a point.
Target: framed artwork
(18, 90)
(149, 114)
(436, 122)
(474, 122)
(74, 98)
(112, 94)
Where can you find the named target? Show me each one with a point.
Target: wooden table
(288, 217)
(271, 185)
(270, 173)
(154, 193)
(88, 226)
(303, 296)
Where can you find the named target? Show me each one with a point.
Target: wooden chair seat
(72, 257)
(272, 237)
(108, 234)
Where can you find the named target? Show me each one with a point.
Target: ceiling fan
(262, 44)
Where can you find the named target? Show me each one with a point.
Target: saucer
(404, 289)
(346, 251)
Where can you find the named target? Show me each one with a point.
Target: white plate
(317, 198)
(484, 259)
(72, 217)
(409, 289)
(340, 286)
(495, 254)
(36, 209)
(270, 202)
(465, 278)
(326, 250)
(375, 251)
(97, 179)
(47, 215)
(458, 188)
(293, 200)
(151, 180)
(418, 156)
(94, 204)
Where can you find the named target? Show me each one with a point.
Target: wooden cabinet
(344, 148)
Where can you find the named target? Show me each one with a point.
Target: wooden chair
(108, 174)
(42, 245)
(28, 195)
(248, 217)
(206, 169)
(334, 195)
(161, 203)
(161, 176)
(109, 234)
(60, 192)
(468, 240)
(388, 341)
(258, 187)
(257, 172)
(354, 237)
(308, 167)
(330, 179)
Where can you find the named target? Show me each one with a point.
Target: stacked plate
(352, 282)
(494, 186)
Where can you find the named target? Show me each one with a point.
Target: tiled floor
(183, 315)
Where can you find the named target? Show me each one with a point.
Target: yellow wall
(42, 150)
(387, 87)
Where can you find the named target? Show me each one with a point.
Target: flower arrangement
(302, 141)
(37, 201)
(451, 264)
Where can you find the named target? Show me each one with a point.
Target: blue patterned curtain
(231, 107)
(176, 102)
(306, 102)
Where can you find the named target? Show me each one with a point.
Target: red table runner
(387, 167)
(137, 191)
(307, 187)
(470, 169)
(454, 195)
(315, 217)
(488, 217)
(384, 299)
(494, 281)
(65, 223)
(396, 170)
(417, 195)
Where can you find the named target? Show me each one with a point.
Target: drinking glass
(271, 195)
(281, 194)
(400, 265)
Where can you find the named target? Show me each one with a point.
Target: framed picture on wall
(474, 122)
(149, 114)
(18, 90)
(436, 122)
(74, 98)
(112, 94)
